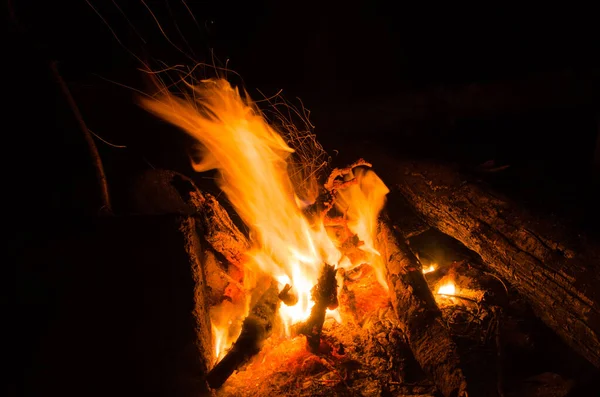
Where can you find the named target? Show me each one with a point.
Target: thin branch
(107, 142)
(96, 160)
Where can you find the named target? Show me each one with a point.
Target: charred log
(406, 220)
(219, 230)
(324, 294)
(339, 178)
(419, 317)
(287, 296)
(554, 268)
(385, 339)
(167, 192)
(257, 327)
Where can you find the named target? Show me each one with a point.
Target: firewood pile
(519, 318)
(452, 290)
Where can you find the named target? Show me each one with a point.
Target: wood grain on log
(220, 231)
(419, 317)
(555, 268)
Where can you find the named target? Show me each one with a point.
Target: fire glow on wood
(318, 251)
(287, 219)
(322, 295)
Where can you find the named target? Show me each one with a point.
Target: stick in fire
(257, 327)
(324, 294)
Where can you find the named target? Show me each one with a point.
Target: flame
(252, 160)
(226, 323)
(219, 342)
(362, 202)
(448, 288)
(429, 269)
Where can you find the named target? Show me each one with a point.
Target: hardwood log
(555, 268)
(419, 317)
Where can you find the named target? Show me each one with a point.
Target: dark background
(515, 84)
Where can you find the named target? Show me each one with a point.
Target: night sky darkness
(348, 62)
(343, 59)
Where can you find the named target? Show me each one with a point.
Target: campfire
(327, 293)
(303, 238)
(421, 251)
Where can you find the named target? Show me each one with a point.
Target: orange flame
(429, 269)
(251, 158)
(362, 202)
(448, 288)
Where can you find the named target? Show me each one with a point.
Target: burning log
(257, 327)
(333, 183)
(162, 191)
(419, 317)
(339, 179)
(324, 294)
(219, 231)
(554, 268)
(169, 192)
(287, 296)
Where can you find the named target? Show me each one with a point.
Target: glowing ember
(447, 289)
(252, 160)
(429, 269)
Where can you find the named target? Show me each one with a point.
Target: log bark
(419, 317)
(219, 230)
(168, 192)
(557, 269)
